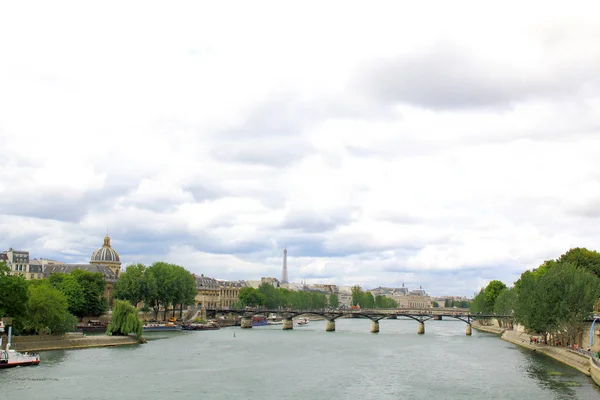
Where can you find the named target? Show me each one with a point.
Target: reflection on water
(268, 363)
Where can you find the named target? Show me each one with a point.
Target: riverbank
(566, 356)
(490, 329)
(67, 342)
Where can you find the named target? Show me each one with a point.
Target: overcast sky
(440, 145)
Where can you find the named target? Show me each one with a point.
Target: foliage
(478, 303)
(133, 284)
(357, 295)
(491, 293)
(273, 299)
(583, 258)
(251, 297)
(84, 291)
(506, 302)
(385, 302)
(13, 296)
(334, 300)
(124, 320)
(47, 311)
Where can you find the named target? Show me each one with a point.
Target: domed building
(104, 260)
(108, 256)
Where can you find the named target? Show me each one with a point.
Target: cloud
(442, 154)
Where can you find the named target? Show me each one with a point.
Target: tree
(251, 297)
(478, 303)
(357, 296)
(506, 302)
(271, 294)
(569, 293)
(436, 304)
(491, 292)
(124, 320)
(185, 288)
(582, 258)
(47, 311)
(84, 291)
(162, 275)
(334, 301)
(132, 284)
(13, 296)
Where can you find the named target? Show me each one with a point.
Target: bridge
(375, 315)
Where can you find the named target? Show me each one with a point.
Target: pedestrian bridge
(375, 315)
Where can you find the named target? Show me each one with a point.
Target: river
(306, 363)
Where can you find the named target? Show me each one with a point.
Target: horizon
(384, 144)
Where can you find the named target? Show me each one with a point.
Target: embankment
(49, 342)
(489, 329)
(575, 360)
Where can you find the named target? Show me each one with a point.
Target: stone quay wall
(69, 341)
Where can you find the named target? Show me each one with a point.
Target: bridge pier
(421, 328)
(288, 323)
(374, 326)
(468, 331)
(246, 322)
(330, 325)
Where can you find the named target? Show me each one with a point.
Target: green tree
(569, 294)
(271, 294)
(84, 291)
(334, 300)
(47, 311)
(491, 293)
(185, 288)
(588, 260)
(436, 304)
(478, 303)
(357, 296)
(124, 320)
(162, 275)
(14, 294)
(132, 284)
(506, 302)
(251, 297)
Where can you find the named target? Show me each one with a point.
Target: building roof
(106, 254)
(107, 273)
(205, 283)
(35, 268)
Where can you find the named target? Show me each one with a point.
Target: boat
(210, 326)
(259, 320)
(157, 327)
(93, 325)
(10, 358)
(302, 321)
(273, 319)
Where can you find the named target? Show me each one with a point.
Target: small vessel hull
(18, 364)
(161, 328)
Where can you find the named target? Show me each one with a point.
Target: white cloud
(382, 144)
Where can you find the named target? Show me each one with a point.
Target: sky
(440, 145)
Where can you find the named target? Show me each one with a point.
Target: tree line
(52, 305)
(273, 298)
(554, 299)
(159, 286)
(366, 299)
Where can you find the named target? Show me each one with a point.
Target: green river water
(305, 363)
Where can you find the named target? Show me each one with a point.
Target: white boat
(11, 358)
(302, 321)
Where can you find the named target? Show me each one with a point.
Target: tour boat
(259, 320)
(156, 327)
(11, 358)
(302, 321)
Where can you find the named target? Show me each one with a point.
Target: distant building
(105, 260)
(17, 261)
(212, 293)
